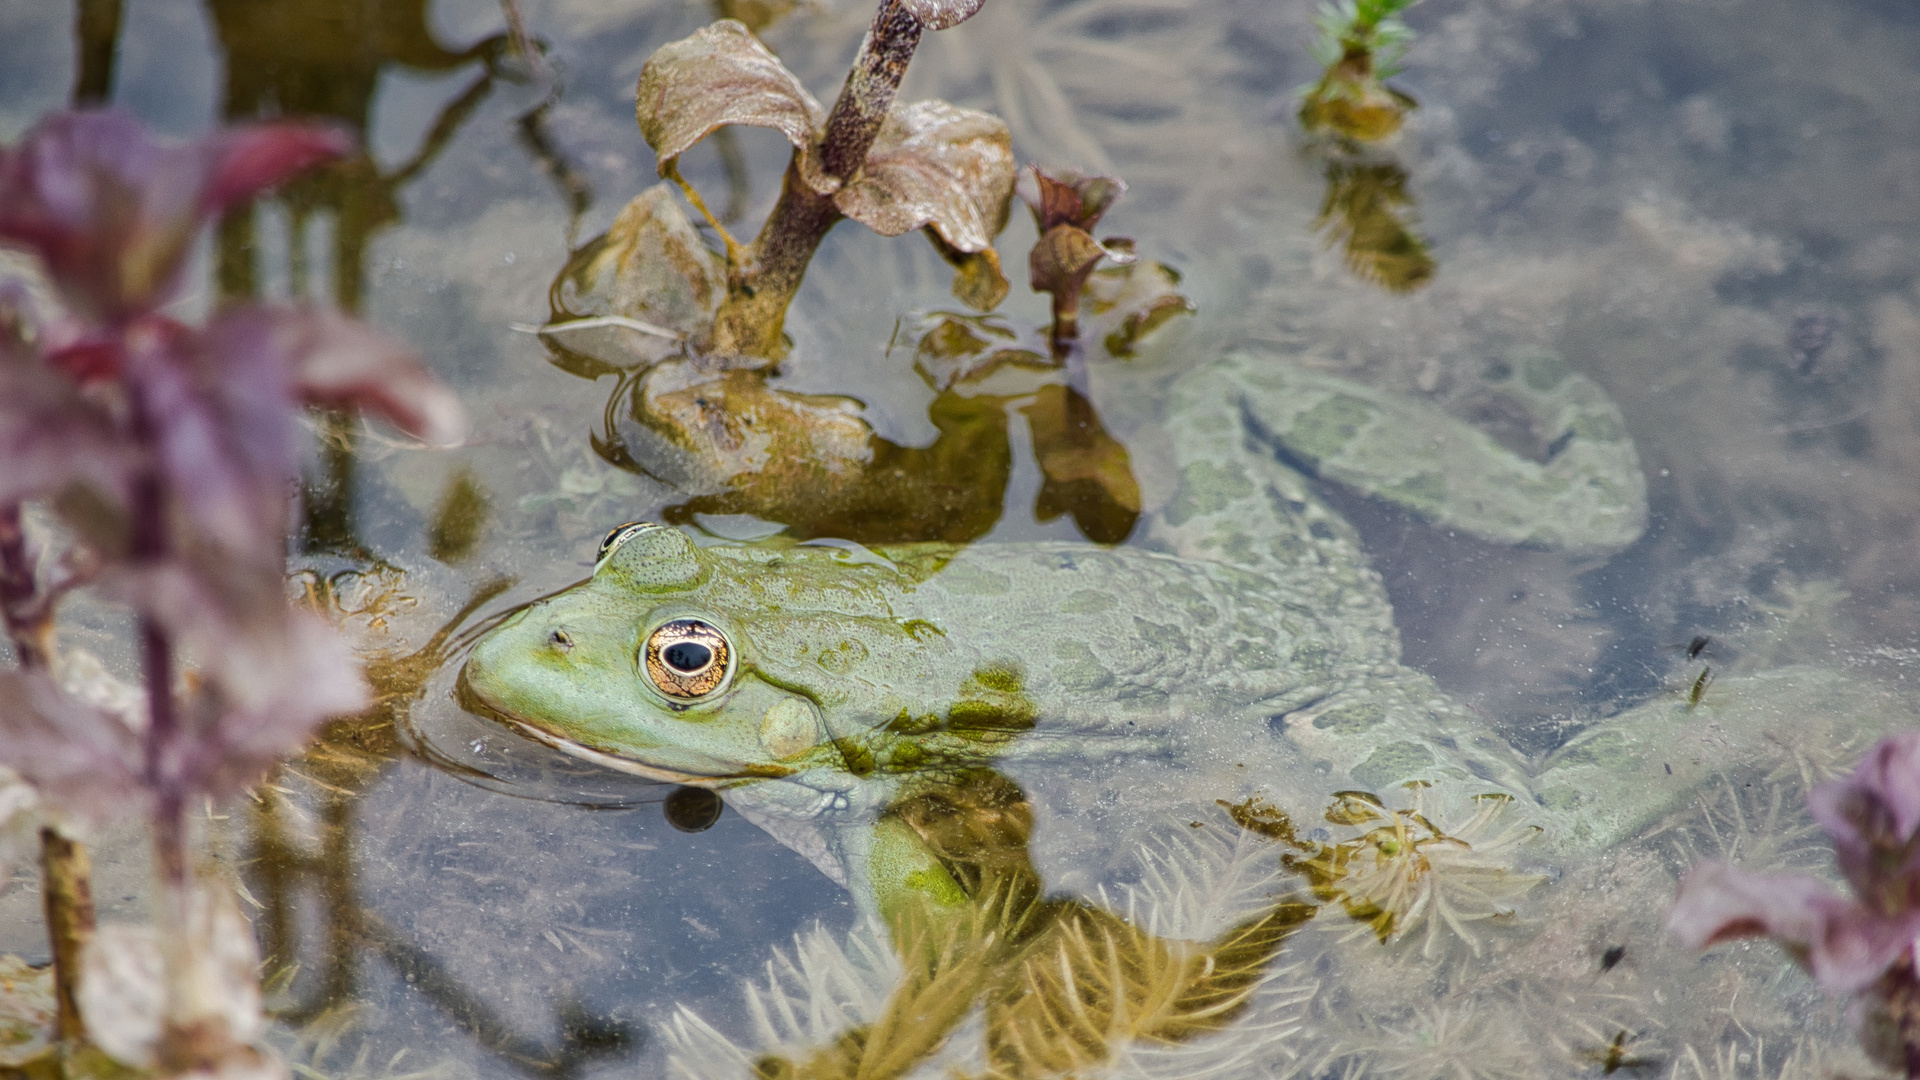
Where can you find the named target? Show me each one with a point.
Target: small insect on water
(1699, 688)
(1615, 1057)
(1694, 647)
(1612, 957)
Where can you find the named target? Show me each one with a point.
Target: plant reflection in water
(348, 757)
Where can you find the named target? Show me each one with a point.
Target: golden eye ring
(687, 659)
(618, 535)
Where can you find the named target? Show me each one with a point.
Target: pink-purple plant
(1861, 946)
(168, 453)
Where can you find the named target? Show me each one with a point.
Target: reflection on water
(1705, 215)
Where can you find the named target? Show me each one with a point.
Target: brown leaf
(937, 165)
(1128, 303)
(651, 266)
(1069, 198)
(941, 14)
(720, 75)
(978, 281)
(1063, 258)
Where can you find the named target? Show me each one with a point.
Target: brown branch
(763, 278)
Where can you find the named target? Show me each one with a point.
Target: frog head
(649, 667)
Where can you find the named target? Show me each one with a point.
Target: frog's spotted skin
(1246, 650)
(856, 676)
(1239, 427)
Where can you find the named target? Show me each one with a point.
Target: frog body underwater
(920, 721)
(814, 684)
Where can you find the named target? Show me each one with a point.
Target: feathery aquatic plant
(1405, 872)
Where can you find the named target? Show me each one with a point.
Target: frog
(1242, 653)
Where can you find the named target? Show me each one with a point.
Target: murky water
(1711, 208)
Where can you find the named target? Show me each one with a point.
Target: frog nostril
(561, 640)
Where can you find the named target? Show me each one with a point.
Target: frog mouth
(471, 700)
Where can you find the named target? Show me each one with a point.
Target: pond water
(1709, 209)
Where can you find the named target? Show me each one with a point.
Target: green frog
(904, 715)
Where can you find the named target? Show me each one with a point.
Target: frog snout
(515, 659)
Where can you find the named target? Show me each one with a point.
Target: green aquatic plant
(1361, 43)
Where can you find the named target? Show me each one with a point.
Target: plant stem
(762, 281)
(29, 620)
(66, 884)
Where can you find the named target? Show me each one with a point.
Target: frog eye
(620, 534)
(687, 659)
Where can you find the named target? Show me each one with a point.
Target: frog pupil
(687, 656)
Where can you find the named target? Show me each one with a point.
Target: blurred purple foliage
(169, 452)
(1864, 945)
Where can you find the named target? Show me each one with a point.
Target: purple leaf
(332, 360)
(302, 677)
(339, 361)
(246, 160)
(112, 214)
(223, 424)
(52, 434)
(1872, 815)
(1846, 946)
(83, 758)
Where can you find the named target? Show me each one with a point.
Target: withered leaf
(1066, 254)
(941, 14)
(978, 281)
(960, 350)
(650, 266)
(1128, 303)
(1069, 198)
(937, 165)
(719, 75)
